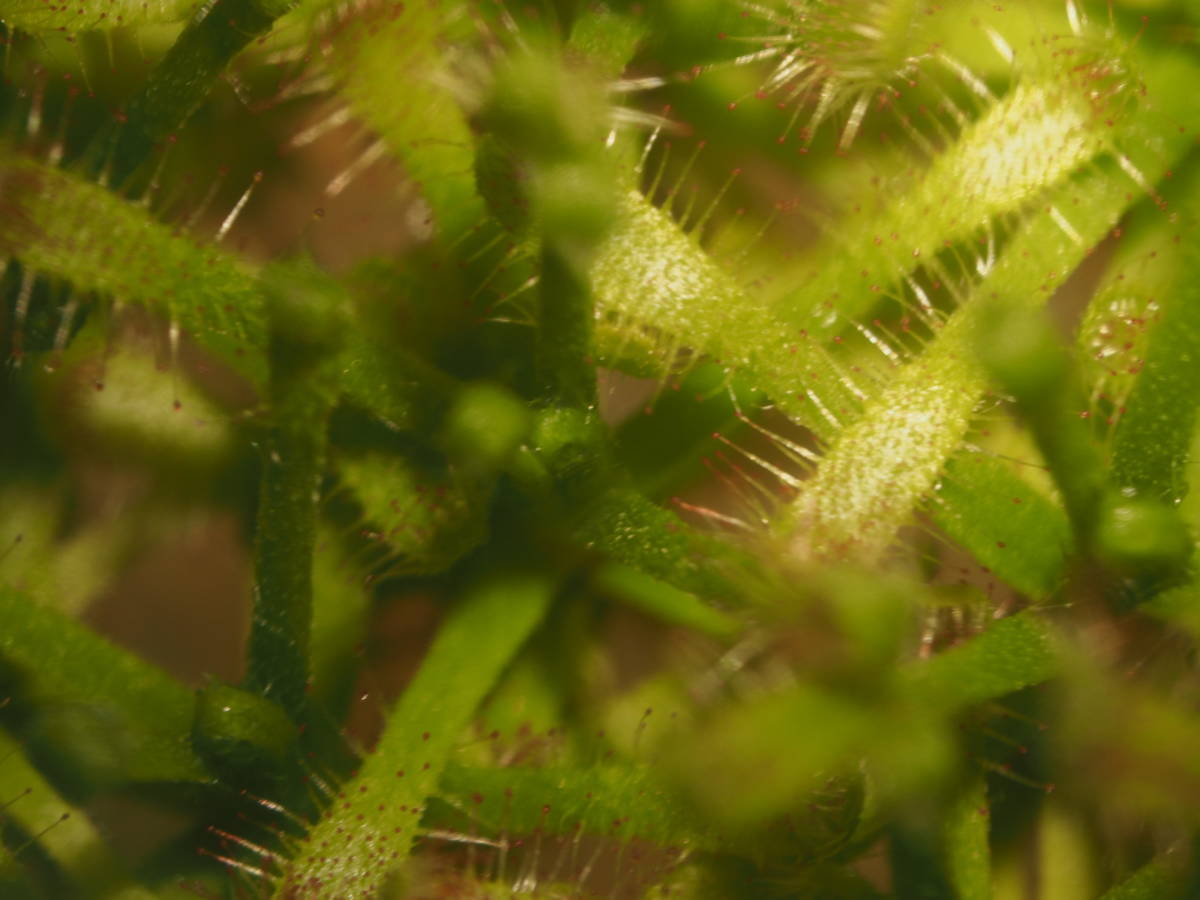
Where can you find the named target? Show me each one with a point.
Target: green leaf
(968, 855)
(292, 465)
(43, 821)
(1153, 436)
(341, 601)
(662, 601)
(1163, 878)
(1025, 356)
(90, 712)
(610, 799)
(61, 225)
(1012, 654)
(882, 464)
(418, 118)
(180, 83)
(63, 573)
(753, 761)
(1048, 125)
(368, 831)
(385, 380)
(1009, 526)
(423, 517)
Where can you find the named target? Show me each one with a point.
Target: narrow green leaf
(605, 38)
(1065, 865)
(756, 760)
(65, 574)
(403, 392)
(306, 324)
(749, 762)
(292, 465)
(95, 714)
(612, 799)
(69, 228)
(625, 526)
(1154, 434)
(664, 602)
(1024, 354)
(1012, 654)
(423, 517)
(1163, 878)
(1049, 124)
(881, 465)
(367, 833)
(417, 117)
(61, 830)
(565, 332)
(1010, 527)
(341, 601)
(658, 293)
(968, 855)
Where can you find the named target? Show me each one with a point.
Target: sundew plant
(548, 448)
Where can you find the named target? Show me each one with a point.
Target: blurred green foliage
(690, 449)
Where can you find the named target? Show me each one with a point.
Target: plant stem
(285, 534)
(180, 83)
(565, 332)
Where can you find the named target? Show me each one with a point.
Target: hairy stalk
(180, 83)
(66, 227)
(293, 459)
(565, 332)
(361, 843)
(31, 808)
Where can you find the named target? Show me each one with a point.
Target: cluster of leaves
(887, 590)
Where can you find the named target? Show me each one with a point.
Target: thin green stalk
(83, 864)
(360, 844)
(180, 83)
(565, 331)
(965, 833)
(307, 330)
(60, 225)
(293, 460)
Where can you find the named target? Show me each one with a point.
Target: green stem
(565, 332)
(285, 534)
(180, 83)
